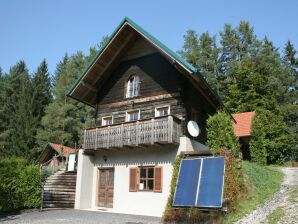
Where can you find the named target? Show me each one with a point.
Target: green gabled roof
(147, 35)
(187, 66)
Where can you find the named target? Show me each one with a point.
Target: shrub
(270, 142)
(19, 185)
(47, 171)
(234, 186)
(220, 133)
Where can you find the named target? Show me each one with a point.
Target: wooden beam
(89, 86)
(113, 57)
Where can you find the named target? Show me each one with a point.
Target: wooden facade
(164, 79)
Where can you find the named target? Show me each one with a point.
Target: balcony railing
(160, 130)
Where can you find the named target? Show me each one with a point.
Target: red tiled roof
(242, 126)
(66, 150)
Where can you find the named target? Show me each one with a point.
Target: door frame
(98, 183)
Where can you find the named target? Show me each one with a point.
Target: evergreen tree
(16, 113)
(65, 118)
(41, 88)
(270, 142)
(220, 133)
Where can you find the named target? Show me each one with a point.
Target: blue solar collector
(200, 183)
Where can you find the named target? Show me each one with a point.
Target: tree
(41, 88)
(270, 142)
(220, 133)
(65, 118)
(17, 136)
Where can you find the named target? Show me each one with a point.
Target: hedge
(19, 184)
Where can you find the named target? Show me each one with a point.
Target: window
(133, 115)
(107, 120)
(133, 86)
(145, 178)
(162, 111)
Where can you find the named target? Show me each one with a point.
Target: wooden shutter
(133, 179)
(157, 179)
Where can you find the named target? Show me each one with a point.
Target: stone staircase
(59, 190)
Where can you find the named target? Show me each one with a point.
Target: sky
(33, 30)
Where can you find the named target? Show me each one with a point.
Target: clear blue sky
(35, 29)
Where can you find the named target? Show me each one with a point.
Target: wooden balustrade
(159, 130)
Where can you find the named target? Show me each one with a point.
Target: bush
(47, 171)
(19, 185)
(220, 133)
(270, 142)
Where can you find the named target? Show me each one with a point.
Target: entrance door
(105, 187)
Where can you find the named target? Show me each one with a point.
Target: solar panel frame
(199, 183)
(177, 183)
(199, 202)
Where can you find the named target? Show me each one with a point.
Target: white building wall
(141, 203)
(84, 183)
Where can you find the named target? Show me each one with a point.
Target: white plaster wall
(84, 183)
(141, 203)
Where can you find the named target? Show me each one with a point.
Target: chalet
(143, 94)
(55, 155)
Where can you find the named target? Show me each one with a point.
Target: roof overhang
(85, 88)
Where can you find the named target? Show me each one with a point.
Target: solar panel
(187, 183)
(200, 182)
(211, 183)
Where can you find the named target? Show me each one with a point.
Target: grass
(262, 182)
(276, 215)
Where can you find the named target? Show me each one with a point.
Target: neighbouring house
(242, 128)
(55, 155)
(143, 94)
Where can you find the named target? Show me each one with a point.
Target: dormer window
(133, 86)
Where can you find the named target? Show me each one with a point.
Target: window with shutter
(145, 179)
(133, 179)
(157, 179)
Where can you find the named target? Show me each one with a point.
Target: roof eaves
(76, 82)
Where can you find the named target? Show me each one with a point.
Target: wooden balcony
(159, 130)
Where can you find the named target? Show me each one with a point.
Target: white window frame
(103, 123)
(160, 107)
(131, 111)
(133, 87)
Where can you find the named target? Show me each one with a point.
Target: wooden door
(105, 187)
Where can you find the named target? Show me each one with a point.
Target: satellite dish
(193, 128)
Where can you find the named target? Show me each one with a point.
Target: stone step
(55, 189)
(58, 205)
(62, 178)
(60, 183)
(59, 190)
(60, 186)
(70, 193)
(58, 198)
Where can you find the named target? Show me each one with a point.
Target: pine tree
(16, 112)
(221, 135)
(65, 118)
(41, 88)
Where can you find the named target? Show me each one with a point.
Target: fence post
(152, 131)
(170, 128)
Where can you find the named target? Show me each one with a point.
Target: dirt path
(282, 198)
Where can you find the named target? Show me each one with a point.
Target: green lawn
(262, 182)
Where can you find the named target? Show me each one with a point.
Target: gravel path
(279, 199)
(76, 216)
